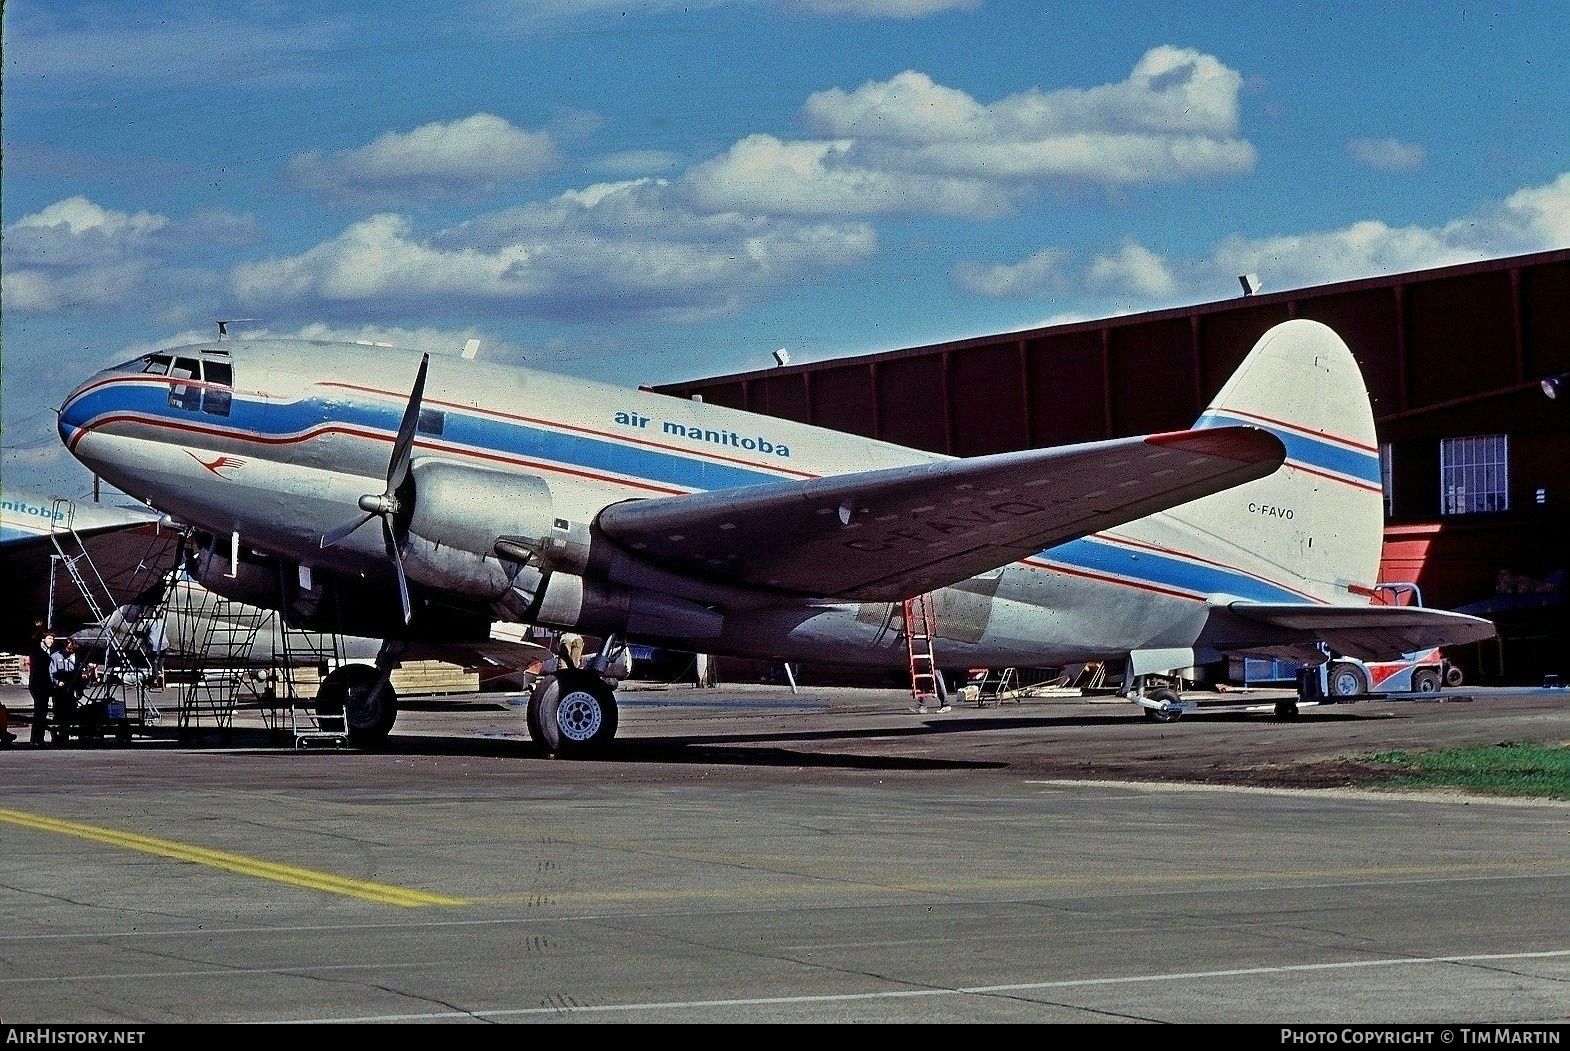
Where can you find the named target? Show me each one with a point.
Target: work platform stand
(213, 663)
(114, 698)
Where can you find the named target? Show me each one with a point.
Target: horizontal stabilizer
(1369, 633)
(882, 536)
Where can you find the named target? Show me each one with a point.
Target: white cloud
(1389, 155)
(762, 173)
(76, 252)
(1035, 276)
(884, 8)
(1533, 219)
(1171, 91)
(911, 145)
(464, 159)
(76, 216)
(1133, 270)
(608, 250)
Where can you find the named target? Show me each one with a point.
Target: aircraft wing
(887, 535)
(25, 522)
(1369, 633)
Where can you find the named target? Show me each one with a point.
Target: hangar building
(1475, 454)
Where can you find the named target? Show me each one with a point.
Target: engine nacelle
(598, 608)
(464, 515)
(468, 508)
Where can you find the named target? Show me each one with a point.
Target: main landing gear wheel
(1163, 696)
(573, 714)
(367, 700)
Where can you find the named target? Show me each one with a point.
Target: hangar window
(1474, 474)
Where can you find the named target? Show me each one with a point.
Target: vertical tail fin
(1313, 530)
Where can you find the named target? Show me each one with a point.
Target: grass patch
(1519, 768)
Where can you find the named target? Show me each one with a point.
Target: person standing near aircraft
(64, 678)
(39, 683)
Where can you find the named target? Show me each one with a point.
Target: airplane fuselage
(267, 446)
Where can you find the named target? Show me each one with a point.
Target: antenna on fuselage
(223, 326)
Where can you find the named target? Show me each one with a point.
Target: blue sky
(649, 192)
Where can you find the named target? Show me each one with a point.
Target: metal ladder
(996, 685)
(921, 624)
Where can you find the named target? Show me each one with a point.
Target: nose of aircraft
(70, 416)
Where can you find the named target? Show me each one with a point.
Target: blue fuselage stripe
(275, 423)
(1169, 570)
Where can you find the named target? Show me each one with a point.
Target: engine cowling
(522, 544)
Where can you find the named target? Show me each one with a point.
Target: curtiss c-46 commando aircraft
(512, 494)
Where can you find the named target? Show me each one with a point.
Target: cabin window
(432, 421)
(1474, 474)
(185, 395)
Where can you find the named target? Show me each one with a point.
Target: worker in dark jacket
(38, 682)
(65, 682)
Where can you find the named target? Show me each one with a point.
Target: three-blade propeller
(393, 502)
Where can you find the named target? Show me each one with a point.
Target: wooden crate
(13, 669)
(426, 677)
(413, 679)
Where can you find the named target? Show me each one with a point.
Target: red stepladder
(921, 626)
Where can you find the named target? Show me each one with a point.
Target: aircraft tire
(1347, 680)
(352, 691)
(573, 715)
(1156, 714)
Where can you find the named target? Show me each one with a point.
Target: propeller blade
(398, 466)
(403, 581)
(329, 539)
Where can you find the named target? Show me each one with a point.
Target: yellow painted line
(323, 881)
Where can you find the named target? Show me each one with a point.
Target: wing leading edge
(882, 536)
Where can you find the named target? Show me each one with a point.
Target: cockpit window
(211, 393)
(220, 378)
(155, 364)
(185, 395)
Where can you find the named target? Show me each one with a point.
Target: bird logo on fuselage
(220, 464)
